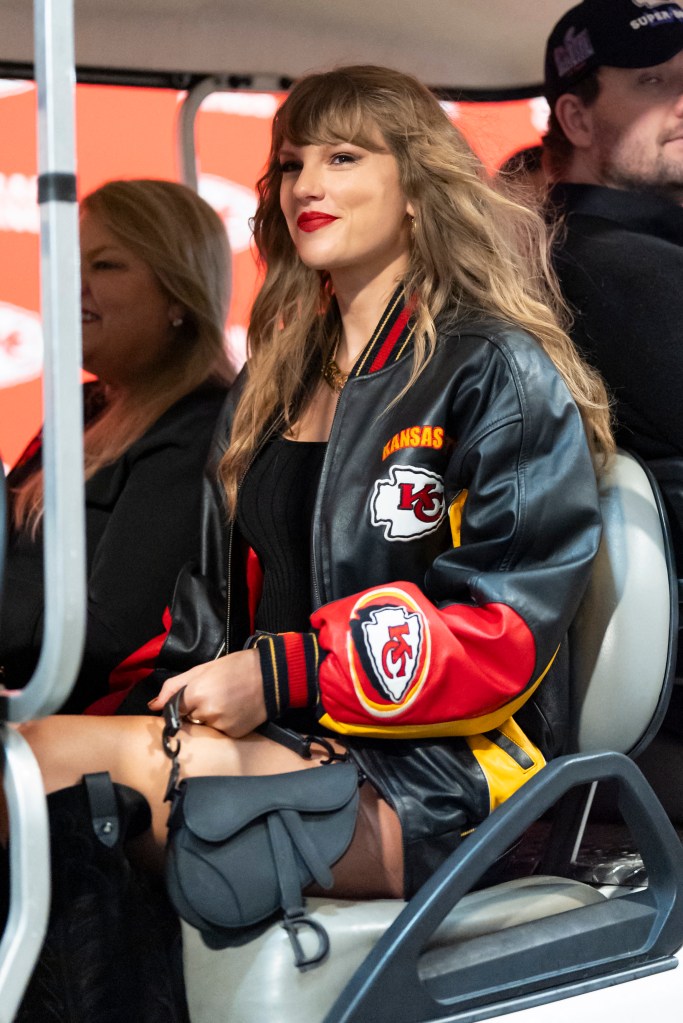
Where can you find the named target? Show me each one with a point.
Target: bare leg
(130, 749)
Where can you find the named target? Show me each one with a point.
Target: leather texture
(142, 514)
(496, 607)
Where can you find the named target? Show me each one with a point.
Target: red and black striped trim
(392, 334)
(289, 668)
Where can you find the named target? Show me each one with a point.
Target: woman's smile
(314, 221)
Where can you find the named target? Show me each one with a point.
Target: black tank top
(275, 514)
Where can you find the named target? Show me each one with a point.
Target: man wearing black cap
(614, 81)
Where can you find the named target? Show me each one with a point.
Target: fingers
(169, 689)
(226, 693)
(196, 703)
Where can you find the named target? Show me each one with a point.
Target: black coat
(619, 257)
(142, 524)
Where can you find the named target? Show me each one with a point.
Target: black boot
(111, 954)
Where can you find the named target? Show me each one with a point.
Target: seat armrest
(642, 928)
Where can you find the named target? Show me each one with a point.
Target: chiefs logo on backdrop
(389, 651)
(409, 504)
(21, 345)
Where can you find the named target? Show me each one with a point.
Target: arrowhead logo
(389, 648)
(393, 640)
(409, 504)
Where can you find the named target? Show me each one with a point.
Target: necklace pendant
(333, 376)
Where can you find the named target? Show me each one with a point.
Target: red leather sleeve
(398, 665)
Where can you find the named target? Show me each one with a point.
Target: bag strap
(104, 811)
(300, 744)
(291, 897)
(301, 841)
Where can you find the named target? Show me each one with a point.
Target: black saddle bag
(241, 849)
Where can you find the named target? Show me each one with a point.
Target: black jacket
(142, 524)
(452, 540)
(619, 257)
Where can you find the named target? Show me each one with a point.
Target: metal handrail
(63, 526)
(29, 871)
(186, 149)
(63, 523)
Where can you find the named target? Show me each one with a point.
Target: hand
(226, 693)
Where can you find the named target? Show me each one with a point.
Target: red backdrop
(129, 132)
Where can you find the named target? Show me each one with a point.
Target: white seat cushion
(258, 982)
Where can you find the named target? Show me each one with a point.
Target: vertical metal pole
(63, 525)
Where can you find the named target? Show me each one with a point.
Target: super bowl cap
(616, 33)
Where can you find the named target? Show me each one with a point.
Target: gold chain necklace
(333, 376)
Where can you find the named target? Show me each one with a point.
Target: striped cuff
(289, 667)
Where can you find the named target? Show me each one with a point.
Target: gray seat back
(622, 640)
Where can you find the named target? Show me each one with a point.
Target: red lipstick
(313, 221)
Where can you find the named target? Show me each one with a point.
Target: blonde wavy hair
(475, 248)
(183, 240)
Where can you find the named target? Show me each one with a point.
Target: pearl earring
(178, 322)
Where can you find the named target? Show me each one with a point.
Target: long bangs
(326, 110)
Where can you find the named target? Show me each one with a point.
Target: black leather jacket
(452, 541)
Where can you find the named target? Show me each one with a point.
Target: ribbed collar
(644, 212)
(390, 338)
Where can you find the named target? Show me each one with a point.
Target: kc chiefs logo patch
(389, 651)
(410, 503)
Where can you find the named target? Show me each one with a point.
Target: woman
(155, 272)
(410, 405)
